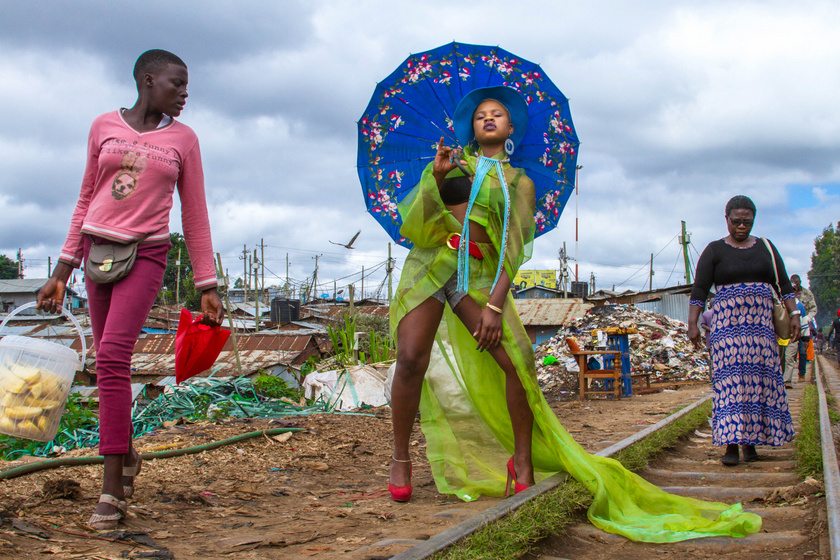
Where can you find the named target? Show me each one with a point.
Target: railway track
(792, 526)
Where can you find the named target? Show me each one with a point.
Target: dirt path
(320, 493)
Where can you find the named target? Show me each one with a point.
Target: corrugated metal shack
(544, 317)
(19, 291)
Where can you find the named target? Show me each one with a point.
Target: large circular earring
(509, 146)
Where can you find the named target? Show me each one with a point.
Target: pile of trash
(660, 347)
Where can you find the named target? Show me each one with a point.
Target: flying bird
(350, 244)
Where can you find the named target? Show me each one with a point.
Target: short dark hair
(796, 276)
(740, 202)
(153, 61)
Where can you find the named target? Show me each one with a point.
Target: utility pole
(591, 282)
(20, 264)
(49, 267)
(178, 278)
(650, 285)
(577, 169)
(363, 284)
(685, 239)
(244, 259)
(315, 278)
(224, 282)
(390, 269)
(257, 295)
(563, 266)
(287, 276)
(262, 271)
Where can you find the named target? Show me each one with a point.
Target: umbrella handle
(463, 169)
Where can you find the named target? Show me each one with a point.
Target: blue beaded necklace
(483, 167)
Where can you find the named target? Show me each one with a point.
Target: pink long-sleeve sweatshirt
(127, 191)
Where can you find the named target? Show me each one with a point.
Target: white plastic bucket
(35, 380)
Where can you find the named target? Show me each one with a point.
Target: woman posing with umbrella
(750, 403)
(486, 422)
(490, 404)
(468, 244)
(135, 159)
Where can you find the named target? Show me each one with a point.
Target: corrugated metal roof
(305, 325)
(165, 343)
(550, 312)
(336, 311)
(19, 331)
(21, 285)
(92, 393)
(157, 365)
(250, 309)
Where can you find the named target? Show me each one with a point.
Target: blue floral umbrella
(412, 108)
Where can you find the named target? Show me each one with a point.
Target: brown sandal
(109, 521)
(128, 491)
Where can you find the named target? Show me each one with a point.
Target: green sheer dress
(463, 409)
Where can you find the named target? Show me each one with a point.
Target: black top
(722, 264)
(835, 330)
(455, 190)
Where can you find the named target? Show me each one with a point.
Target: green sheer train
(463, 410)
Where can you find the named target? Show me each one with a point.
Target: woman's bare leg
(521, 417)
(415, 336)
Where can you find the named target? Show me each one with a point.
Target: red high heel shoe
(400, 493)
(517, 488)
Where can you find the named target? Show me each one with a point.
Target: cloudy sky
(679, 106)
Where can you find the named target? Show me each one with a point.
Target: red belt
(454, 241)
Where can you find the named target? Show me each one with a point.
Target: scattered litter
(661, 348)
(285, 436)
(808, 487)
(347, 389)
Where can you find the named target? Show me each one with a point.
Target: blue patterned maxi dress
(750, 401)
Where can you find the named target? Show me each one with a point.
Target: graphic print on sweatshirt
(132, 165)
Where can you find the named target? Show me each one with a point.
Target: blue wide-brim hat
(509, 97)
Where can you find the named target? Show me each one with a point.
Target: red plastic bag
(196, 346)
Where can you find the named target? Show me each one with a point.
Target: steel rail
(831, 473)
(468, 526)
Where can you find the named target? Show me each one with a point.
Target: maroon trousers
(117, 314)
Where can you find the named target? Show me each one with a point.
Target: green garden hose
(15, 472)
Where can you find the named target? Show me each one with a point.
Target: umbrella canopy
(413, 107)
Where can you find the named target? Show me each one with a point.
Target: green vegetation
(342, 341)
(378, 349)
(374, 348)
(517, 533)
(8, 268)
(808, 446)
(833, 415)
(637, 456)
(273, 387)
(179, 280)
(78, 418)
(823, 278)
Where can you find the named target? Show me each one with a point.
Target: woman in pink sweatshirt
(136, 158)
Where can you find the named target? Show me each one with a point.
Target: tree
(179, 281)
(824, 276)
(8, 268)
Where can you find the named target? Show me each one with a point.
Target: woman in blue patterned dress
(750, 404)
